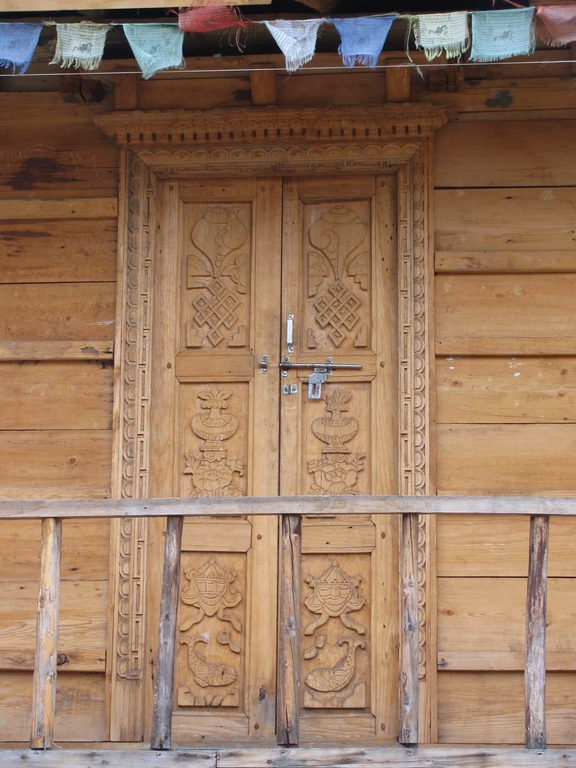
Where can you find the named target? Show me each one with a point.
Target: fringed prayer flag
(211, 19)
(362, 39)
(296, 40)
(155, 46)
(439, 33)
(17, 45)
(500, 34)
(556, 25)
(80, 45)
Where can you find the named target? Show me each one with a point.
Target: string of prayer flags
(156, 46)
(441, 33)
(296, 40)
(556, 25)
(17, 45)
(362, 39)
(498, 35)
(80, 45)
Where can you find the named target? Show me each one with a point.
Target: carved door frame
(267, 141)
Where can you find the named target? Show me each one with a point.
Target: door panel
(221, 427)
(339, 282)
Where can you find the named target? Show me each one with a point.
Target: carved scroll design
(210, 591)
(414, 360)
(213, 473)
(219, 266)
(336, 472)
(335, 595)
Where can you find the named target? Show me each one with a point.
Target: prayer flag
(439, 33)
(17, 45)
(500, 34)
(362, 39)
(80, 45)
(556, 25)
(296, 40)
(155, 46)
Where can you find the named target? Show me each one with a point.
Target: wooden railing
(290, 509)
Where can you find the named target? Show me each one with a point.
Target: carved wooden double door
(234, 259)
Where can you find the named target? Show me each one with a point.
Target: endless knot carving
(216, 310)
(213, 473)
(336, 472)
(337, 310)
(335, 595)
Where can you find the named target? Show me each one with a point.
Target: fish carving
(205, 672)
(337, 677)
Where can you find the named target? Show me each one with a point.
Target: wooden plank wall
(505, 261)
(58, 188)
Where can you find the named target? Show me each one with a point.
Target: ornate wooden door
(233, 260)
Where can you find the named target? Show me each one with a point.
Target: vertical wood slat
(535, 664)
(288, 696)
(161, 734)
(409, 645)
(45, 660)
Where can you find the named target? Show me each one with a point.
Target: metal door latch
(315, 381)
(263, 364)
(319, 373)
(290, 389)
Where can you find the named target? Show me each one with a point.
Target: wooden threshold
(295, 757)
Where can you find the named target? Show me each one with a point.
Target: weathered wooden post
(409, 647)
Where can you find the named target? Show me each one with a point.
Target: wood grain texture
(531, 457)
(535, 667)
(55, 464)
(59, 251)
(90, 208)
(503, 262)
(71, 395)
(541, 154)
(409, 622)
(55, 350)
(488, 707)
(45, 663)
(62, 311)
(161, 736)
(288, 684)
(496, 390)
(542, 219)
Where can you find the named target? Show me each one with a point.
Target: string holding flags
(80, 45)
(156, 47)
(499, 35)
(556, 25)
(17, 45)
(362, 39)
(296, 40)
(441, 33)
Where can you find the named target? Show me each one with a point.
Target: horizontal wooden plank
(18, 6)
(488, 707)
(504, 219)
(21, 109)
(498, 546)
(83, 614)
(84, 208)
(471, 307)
(56, 350)
(85, 550)
(72, 661)
(514, 345)
(61, 251)
(479, 262)
(80, 706)
(338, 536)
(319, 506)
(539, 154)
(487, 616)
(57, 311)
(217, 536)
(55, 464)
(56, 395)
(485, 390)
(502, 457)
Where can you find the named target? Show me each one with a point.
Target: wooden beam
(398, 77)
(161, 737)
(55, 350)
(535, 667)
(46, 659)
(21, 6)
(76, 208)
(319, 506)
(288, 697)
(409, 645)
(263, 87)
(297, 757)
(126, 92)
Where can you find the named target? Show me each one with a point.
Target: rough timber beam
(28, 6)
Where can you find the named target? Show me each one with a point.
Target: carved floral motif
(336, 472)
(213, 473)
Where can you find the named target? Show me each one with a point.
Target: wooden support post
(161, 736)
(397, 82)
(535, 666)
(263, 87)
(409, 646)
(287, 709)
(45, 661)
(126, 92)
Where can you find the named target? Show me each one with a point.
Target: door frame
(270, 141)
